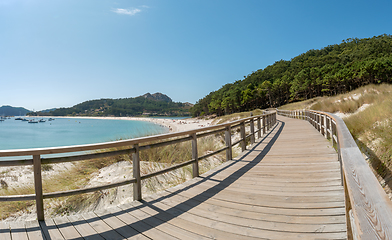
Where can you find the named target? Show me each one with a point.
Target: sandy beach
(174, 125)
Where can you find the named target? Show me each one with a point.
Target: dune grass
(236, 116)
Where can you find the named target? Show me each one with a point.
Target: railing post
(259, 128)
(228, 143)
(334, 143)
(328, 126)
(39, 197)
(268, 122)
(264, 124)
(348, 209)
(252, 129)
(195, 165)
(137, 186)
(275, 116)
(320, 124)
(243, 137)
(325, 127)
(318, 121)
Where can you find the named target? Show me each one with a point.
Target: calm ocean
(16, 134)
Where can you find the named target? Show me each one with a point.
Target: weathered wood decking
(287, 186)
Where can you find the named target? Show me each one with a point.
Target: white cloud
(130, 12)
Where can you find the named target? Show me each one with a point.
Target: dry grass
(300, 105)
(236, 116)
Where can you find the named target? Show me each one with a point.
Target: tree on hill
(329, 71)
(148, 104)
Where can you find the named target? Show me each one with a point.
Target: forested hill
(332, 70)
(156, 104)
(13, 111)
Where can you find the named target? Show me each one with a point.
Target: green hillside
(147, 105)
(329, 71)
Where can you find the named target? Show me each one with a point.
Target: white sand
(346, 115)
(174, 125)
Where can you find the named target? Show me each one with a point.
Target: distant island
(13, 111)
(157, 104)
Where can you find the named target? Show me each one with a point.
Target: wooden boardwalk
(286, 186)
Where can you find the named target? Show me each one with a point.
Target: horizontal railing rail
(132, 146)
(368, 208)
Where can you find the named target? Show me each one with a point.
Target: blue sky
(60, 53)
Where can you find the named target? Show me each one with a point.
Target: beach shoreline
(174, 125)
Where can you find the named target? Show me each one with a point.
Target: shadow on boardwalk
(171, 213)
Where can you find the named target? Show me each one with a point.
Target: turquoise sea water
(15, 134)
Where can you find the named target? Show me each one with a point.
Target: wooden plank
(266, 200)
(126, 231)
(5, 233)
(50, 230)
(33, 230)
(101, 227)
(197, 228)
(204, 232)
(249, 213)
(66, 228)
(257, 223)
(84, 228)
(18, 230)
(251, 231)
(240, 188)
(139, 211)
(266, 209)
(140, 226)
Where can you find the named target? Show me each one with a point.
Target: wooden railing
(264, 123)
(368, 208)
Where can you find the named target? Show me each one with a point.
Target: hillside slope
(156, 104)
(329, 71)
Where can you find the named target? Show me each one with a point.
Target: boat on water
(42, 120)
(33, 121)
(51, 119)
(25, 120)
(18, 118)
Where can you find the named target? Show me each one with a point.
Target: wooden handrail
(132, 146)
(368, 208)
